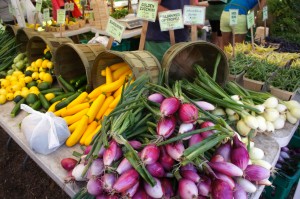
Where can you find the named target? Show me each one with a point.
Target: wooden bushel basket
(140, 62)
(74, 60)
(12, 29)
(179, 59)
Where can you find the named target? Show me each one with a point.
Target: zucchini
(36, 105)
(57, 93)
(65, 84)
(81, 81)
(60, 97)
(73, 81)
(18, 98)
(67, 101)
(51, 90)
(44, 101)
(14, 112)
(82, 88)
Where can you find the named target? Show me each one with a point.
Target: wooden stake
(252, 37)
(194, 33)
(60, 29)
(233, 42)
(35, 19)
(143, 35)
(109, 44)
(172, 37)
(265, 30)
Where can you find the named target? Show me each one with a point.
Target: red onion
(204, 186)
(132, 190)
(237, 142)
(166, 161)
(206, 124)
(150, 154)
(96, 168)
(104, 196)
(110, 153)
(101, 152)
(87, 150)
(240, 157)
(246, 185)
(166, 126)
(264, 182)
(256, 173)
(184, 128)
(167, 188)
(169, 106)
(156, 97)
(224, 150)
(135, 144)
(221, 190)
(108, 181)
(156, 170)
(77, 172)
(188, 113)
(196, 138)
(226, 168)
(119, 153)
(226, 178)
(187, 189)
(205, 105)
(94, 186)
(123, 166)
(217, 158)
(126, 180)
(189, 166)
(175, 150)
(140, 194)
(156, 191)
(68, 163)
(239, 193)
(190, 175)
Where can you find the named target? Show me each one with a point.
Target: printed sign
(46, 14)
(233, 16)
(265, 13)
(194, 15)
(250, 19)
(38, 5)
(170, 20)
(61, 16)
(115, 29)
(147, 10)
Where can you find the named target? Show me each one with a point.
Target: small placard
(61, 16)
(233, 17)
(170, 20)
(250, 19)
(147, 10)
(67, 6)
(46, 14)
(71, 6)
(115, 29)
(38, 5)
(194, 15)
(265, 13)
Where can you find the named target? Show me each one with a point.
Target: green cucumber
(60, 97)
(44, 101)
(51, 90)
(65, 84)
(14, 112)
(67, 101)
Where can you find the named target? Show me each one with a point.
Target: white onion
(290, 118)
(292, 104)
(262, 163)
(260, 107)
(246, 185)
(235, 97)
(77, 172)
(281, 108)
(251, 121)
(271, 102)
(271, 114)
(256, 153)
(262, 127)
(234, 117)
(270, 127)
(229, 111)
(242, 128)
(295, 112)
(219, 111)
(279, 123)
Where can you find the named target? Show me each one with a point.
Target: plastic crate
(295, 141)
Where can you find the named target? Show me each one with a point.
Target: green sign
(46, 14)
(194, 15)
(38, 5)
(233, 17)
(250, 19)
(115, 29)
(71, 6)
(147, 10)
(170, 20)
(265, 13)
(61, 16)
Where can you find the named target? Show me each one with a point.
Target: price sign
(265, 13)
(83, 2)
(250, 20)
(115, 29)
(61, 16)
(67, 6)
(147, 10)
(46, 14)
(233, 14)
(71, 6)
(38, 5)
(194, 15)
(170, 20)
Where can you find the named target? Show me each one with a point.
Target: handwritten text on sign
(38, 5)
(147, 10)
(61, 16)
(170, 20)
(193, 15)
(233, 17)
(115, 29)
(46, 14)
(250, 19)
(265, 13)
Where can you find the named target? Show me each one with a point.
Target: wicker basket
(81, 23)
(140, 62)
(73, 27)
(37, 44)
(74, 60)
(180, 58)
(12, 29)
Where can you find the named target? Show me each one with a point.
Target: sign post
(250, 24)
(265, 17)
(46, 16)
(38, 8)
(233, 14)
(61, 17)
(147, 10)
(115, 29)
(169, 21)
(194, 15)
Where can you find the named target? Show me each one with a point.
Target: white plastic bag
(44, 132)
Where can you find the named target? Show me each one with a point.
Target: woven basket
(73, 27)
(74, 60)
(37, 44)
(12, 29)
(179, 59)
(24, 34)
(140, 62)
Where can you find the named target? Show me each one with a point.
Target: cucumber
(67, 101)
(52, 90)
(65, 84)
(44, 101)
(37, 105)
(60, 97)
(14, 112)
(81, 82)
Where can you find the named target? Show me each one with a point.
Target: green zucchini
(73, 81)
(36, 105)
(66, 101)
(60, 97)
(81, 81)
(65, 84)
(17, 108)
(51, 90)
(82, 88)
(44, 101)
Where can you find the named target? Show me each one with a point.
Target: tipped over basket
(180, 58)
(140, 62)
